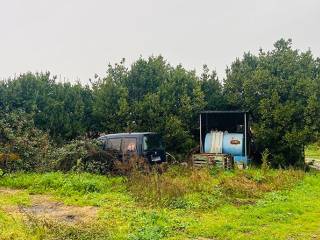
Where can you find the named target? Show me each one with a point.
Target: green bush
(23, 147)
(84, 156)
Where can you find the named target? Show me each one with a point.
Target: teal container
(241, 159)
(233, 143)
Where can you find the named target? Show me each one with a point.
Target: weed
(265, 160)
(252, 184)
(170, 188)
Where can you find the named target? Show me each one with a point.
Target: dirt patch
(45, 207)
(9, 191)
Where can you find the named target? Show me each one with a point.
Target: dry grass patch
(182, 187)
(248, 186)
(171, 186)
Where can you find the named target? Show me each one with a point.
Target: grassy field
(313, 151)
(179, 204)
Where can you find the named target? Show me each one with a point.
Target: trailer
(225, 139)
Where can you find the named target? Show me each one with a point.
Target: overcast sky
(75, 39)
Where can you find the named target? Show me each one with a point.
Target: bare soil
(45, 207)
(9, 191)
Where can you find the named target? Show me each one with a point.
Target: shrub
(22, 146)
(84, 155)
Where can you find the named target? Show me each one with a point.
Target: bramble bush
(22, 146)
(84, 156)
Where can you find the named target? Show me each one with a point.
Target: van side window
(129, 145)
(114, 143)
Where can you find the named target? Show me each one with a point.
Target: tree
(278, 88)
(212, 90)
(110, 107)
(146, 76)
(152, 95)
(62, 109)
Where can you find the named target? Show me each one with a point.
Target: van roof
(126, 134)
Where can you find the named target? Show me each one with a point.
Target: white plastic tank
(213, 142)
(224, 142)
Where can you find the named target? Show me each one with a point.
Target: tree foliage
(150, 96)
(61, 109)
(281, 90)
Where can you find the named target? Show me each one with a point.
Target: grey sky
(77, 38)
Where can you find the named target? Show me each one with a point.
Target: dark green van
(148, 145)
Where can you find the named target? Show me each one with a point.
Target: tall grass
(250, 185)
(167, 188)
(183, 187)
(175, 187)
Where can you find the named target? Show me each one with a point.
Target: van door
(129, 148)
(153, 149)
(115, 144)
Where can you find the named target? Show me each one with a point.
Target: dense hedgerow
(280, 88)
(23, 147)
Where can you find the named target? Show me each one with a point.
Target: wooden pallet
(211, 159)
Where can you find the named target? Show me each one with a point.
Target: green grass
(76, 189)
(249, 204)
(313, 151)
(279, 215)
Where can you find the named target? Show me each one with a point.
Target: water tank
(233, 144)
(224, 142)
(213, 142)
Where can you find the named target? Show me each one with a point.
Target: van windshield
(152, 142)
